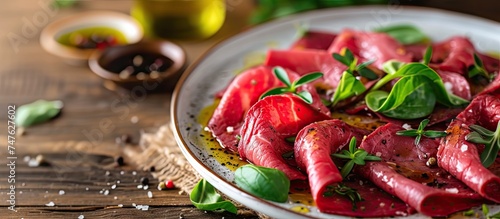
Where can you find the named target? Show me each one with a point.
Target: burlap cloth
(159, 149)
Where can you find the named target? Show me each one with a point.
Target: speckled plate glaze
(218, 66)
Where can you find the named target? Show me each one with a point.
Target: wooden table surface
(80, 150)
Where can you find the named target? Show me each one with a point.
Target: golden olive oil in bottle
(182, 19)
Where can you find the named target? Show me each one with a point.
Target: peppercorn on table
(74, 165)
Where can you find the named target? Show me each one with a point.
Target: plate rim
(211, 174)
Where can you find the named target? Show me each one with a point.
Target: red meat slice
(457, 84)
(313, 39)
(455, 55)
(376, 202)
(461, 158)
(313, 146)
(241, 94)
(406, 175)
(307, 61)
(266, 126)
(368, 46)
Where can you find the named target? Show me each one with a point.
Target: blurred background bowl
(68, 37)
(151, 65)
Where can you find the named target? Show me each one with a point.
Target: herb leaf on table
(205, 197)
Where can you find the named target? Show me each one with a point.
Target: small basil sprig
(486, 212)
(37, 112)
(491, 141)
(204, 197)
(405, 34)
(344, 190)
(349, 85)
(478, 68)
(418, 133)
(355, 156)
(291, 87)
(351, 62)
(414, 95)
(267, 183)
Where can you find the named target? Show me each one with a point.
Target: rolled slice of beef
(244, 91)
(370, 46)
(313, 146)
(409, 172)
(267, 125)
(461, 158)
(314, 39)
(455, 55)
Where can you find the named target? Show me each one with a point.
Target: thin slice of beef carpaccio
(376, 202)
(313, 146)
(408, 172)
(461, 158)
(370, 46)
(240, 95)
(456, 84)
(312, 149)
(267, 125)
(307, 61)
(314, 39)
(455, 54)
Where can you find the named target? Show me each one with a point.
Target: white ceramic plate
(216, 68)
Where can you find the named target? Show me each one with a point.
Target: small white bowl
(125, 24)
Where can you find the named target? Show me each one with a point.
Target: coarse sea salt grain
(406, 126)
(229, 129)
(206, 129)
(452, 190)
(150, 194)
(464, 148)
(61, 192)
(81, 216)
(50, 204)
(448, 86)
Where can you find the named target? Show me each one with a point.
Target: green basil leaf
(392, 66)
(306, 79)
(267, 183)
(409, 133)
(485, 209)
(438, 88)
(477, 138)
(489, 155)
(372, 158)
(275, 91)
(352, 145)
(348, 87)
(342, 156)
(417, 139)
(349, 57)
(481, 130)
(365, 64)
(434, 134)
(422, 124)
(305, 96)
(427, 55)
(495, 216)
(405, 34)
(367, 73)
(346, 169)
(37, 112)
(282, 76)
(410, 98)
(204, 197)
(341, 59)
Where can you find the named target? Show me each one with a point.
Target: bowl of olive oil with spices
(76, 37)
